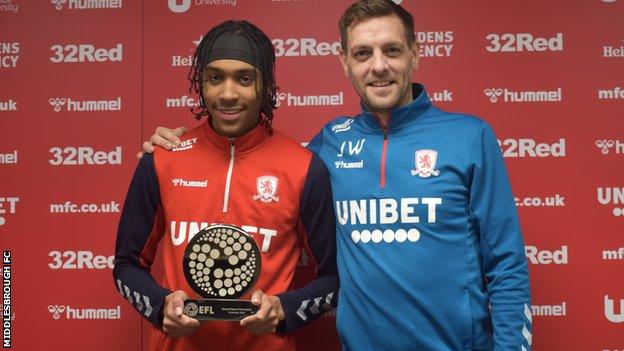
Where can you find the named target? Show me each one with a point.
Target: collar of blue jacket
(401, 116)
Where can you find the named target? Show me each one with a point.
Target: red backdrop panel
(81, 87)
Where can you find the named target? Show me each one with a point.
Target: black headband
(233, 47)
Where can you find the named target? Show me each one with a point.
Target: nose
(380, 63)
(229, 91)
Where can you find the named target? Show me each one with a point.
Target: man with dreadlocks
(219, 175)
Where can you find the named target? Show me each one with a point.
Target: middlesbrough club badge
(266, 186)
(425, 163)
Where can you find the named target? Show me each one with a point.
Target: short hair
(366, 9)
(264, 60)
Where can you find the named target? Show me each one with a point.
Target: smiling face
(230, 91)
(379, 62)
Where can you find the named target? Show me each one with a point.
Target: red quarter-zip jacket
(266, 184)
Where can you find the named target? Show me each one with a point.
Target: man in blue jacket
(430, 253)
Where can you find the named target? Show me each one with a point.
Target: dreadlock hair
(264, 61)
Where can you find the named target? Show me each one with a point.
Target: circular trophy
(221, 263)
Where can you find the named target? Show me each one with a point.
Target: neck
(383, 117)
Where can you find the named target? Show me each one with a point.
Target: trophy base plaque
(219, 309)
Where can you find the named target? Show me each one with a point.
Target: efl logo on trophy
(221, 263)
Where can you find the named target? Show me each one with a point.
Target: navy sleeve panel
(301, 306)
(141, 227)
(504, 260)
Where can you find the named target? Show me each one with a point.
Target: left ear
(343, 62)
(415, 55)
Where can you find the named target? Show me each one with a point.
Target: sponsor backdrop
(85, 81)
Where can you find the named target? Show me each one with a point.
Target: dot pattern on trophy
(221, 262)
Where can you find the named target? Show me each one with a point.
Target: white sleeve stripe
(137, 298)
(148, 307)
(328, 300)
(128, 295)
(527, 313)
(315, 308)
(527, 335)
(119, 287)
(303, 306)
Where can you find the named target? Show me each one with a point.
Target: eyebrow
(365, 46)
(239, 71)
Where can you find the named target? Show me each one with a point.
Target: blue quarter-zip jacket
(430, 253)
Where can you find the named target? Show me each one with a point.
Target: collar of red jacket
(244, 143)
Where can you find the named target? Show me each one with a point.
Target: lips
(380, 84)
(230, 111)
(381, 87)
(229, 114)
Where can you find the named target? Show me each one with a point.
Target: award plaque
(221, 263)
